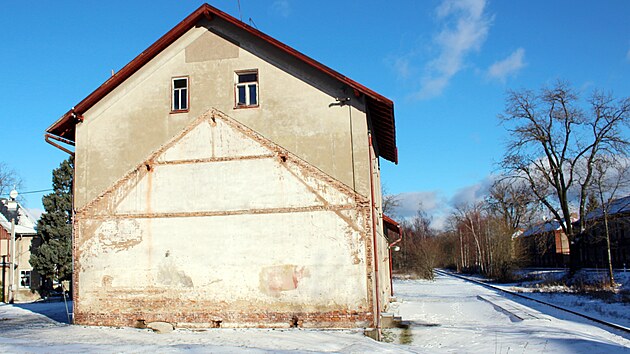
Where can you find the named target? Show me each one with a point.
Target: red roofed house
(225, 179)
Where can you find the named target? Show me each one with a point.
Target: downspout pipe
(400, 237)
(391, 264)
(48, 138)
(377, 316)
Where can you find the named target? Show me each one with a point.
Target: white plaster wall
(204, 260)
(227, 223)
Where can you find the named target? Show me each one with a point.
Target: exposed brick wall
(186, 319)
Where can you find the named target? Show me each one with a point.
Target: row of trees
(564, 157)
(477, 236)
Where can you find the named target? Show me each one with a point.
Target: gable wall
(289, 243)
(134, 119)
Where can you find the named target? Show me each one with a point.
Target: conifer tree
(53, 258)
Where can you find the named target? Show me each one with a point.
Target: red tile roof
(380, 108)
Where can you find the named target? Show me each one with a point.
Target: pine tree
(53, 258)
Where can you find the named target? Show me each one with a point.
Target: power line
(32, 192)
(39, 191)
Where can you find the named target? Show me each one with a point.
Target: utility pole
(4, 264)
(12, 206)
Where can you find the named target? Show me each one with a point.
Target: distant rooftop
(25, 224)
(616, 206)
(547, 226)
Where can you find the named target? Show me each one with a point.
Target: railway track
(489, 286)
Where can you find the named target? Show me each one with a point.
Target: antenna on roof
(240, 15)
(253, 23)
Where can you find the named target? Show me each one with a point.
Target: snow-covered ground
(447, 315)
(546, 285)
(454, 316)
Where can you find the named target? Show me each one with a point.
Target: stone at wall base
(161, 327)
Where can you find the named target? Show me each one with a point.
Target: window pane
(25, 279)
(180, 83)
(241, 95)
(253, 100)
(249, 77)
(175, 100)
(184, 99)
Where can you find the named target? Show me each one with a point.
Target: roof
(380, 108)
(25, 222)
(391, 224)
(547, 226)
(616, 206)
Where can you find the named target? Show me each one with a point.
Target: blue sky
(445, 63)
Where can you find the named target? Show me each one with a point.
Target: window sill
(179, 111)
(245, 107)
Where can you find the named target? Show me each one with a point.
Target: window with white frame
(246, 89)
(25, 279)
(180, 94)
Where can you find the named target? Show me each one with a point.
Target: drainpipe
(48, 136)
(391, 265)
(374, 240)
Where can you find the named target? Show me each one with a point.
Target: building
(545, 244)
(224, 179)
(393, 233)
(26, 281)
(592, 246)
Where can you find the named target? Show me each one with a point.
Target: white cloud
(432, 202)
(281, 7)
(475, 193)
(472, 194)
(410, 202)
(509, 66)
(403, 67)
(465, 27)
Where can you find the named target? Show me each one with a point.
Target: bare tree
(483, 241)
(391, 202)
(553, 139)
(9, 179)
(418, 248)
(610, 175)
(512, 201)
(469, 220)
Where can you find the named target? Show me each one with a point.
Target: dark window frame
(26, 274)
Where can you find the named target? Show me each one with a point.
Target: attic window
(180, 94)
(246, 89)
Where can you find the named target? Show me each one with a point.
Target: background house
(27, 281)
(225, 179)
(545, 244)
(592, 245)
